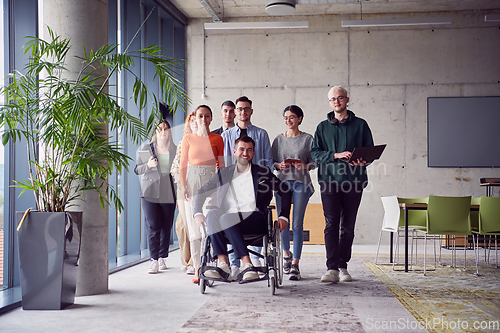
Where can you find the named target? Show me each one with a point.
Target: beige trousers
(180, 229)
(196, 176)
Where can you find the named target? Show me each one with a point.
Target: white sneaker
(162, 264)
(235, 270)
(213, 274)
(190, 270)
(344, 275)
(153, 267)
(256, 262)
(184, 267)
(331, 275)
(250, 275)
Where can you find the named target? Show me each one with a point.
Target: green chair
(474, 215)
(416, 218)
(447, 216)
(474, 218)
(488, 224)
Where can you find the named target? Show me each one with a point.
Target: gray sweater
(298, 148)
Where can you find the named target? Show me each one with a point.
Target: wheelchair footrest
(224, 276)
(260, 270)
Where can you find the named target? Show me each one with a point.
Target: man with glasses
(244, 126)
(263, 154)
(341, 183)
(227, 114)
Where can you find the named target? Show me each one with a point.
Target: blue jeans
(300, 198)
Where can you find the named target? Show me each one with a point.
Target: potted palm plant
(64, 121)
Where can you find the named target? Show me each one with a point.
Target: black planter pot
(49, 248)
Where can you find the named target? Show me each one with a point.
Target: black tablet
(368, 154)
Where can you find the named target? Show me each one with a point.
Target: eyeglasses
(289, 118)
(340, 99)
(246, 109)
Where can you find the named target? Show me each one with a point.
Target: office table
(417, 206)
(489, 183)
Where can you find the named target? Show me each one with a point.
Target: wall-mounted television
(463, 132)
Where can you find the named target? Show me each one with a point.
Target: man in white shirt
(244, 190)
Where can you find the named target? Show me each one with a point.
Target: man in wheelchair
(244, 190)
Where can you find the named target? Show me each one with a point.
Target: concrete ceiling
(228, 9)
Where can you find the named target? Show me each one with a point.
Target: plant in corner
(64, 119)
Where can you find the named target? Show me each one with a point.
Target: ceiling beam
(170, 8)
(210, 10)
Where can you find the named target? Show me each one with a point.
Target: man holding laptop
(341, 181)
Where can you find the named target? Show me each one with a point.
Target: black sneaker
(288, 263)
(294, 273)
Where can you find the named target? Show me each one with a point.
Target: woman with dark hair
(158, 198)
(292, 158)
(190, 126)
(202, 153)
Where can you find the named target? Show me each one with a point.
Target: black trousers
(234, 226)
(159, 221)
(340, 207)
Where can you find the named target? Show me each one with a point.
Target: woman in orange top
(202, 153)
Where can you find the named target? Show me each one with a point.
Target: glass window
(127, 233)
(2, 151)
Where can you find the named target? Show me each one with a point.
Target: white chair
(391, 220)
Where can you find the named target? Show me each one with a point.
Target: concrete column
(85, 23)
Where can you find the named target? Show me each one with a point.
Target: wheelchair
(271, 243)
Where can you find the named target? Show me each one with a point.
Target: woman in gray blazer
(158, 198)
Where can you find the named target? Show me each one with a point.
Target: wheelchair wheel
(273, 285)
(203, 285)
(279, 256)
(206, 260)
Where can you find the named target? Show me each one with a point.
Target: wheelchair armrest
(270, 208)
(211, 207)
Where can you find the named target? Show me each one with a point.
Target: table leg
(406, 239)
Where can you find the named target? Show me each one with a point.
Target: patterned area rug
(300, 306)
(378, 300)
(447, 299)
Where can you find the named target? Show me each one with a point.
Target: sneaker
(190, 270)
(256, 262)
(213, 274)
(153, 267)
(250, 275)
(162, 264)
(184, 267)
(287, 265)
(331, 275)
(235, 270)
(344, 275)
(294, 273)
